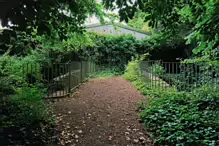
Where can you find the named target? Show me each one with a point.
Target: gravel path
(102, 112)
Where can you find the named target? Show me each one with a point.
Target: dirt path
(102, 112)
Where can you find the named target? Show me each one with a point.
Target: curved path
(101, 112)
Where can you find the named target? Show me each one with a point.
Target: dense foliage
(177, 118)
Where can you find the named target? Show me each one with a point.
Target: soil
(102, 112)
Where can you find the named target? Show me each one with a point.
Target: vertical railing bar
(177, 68)
(190, 76)
(64, 78)
(216, 74)
(196, 75)
(53, 82)
(184, 76)
(48, 81)
(173, 72)
(81, 71)
(165, 67)
(152, 77)
(66, 72)
(169, 73)
(66, 84)
(36, 73)
(31, 73)
(163, 81)
(26, 72)
(61, 79)
(193, 74)
(61, 74)
(163, 74)
(23, 77)
(200, 75)
(155, 78)
(69, 77)
(204, 76)
(43, 74)
(88, 68)
(212, 76)
(56, 76)
(160, 77)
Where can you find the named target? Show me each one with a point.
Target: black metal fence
(60, 78)
(180, 76)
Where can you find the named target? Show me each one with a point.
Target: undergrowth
(177, 118)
